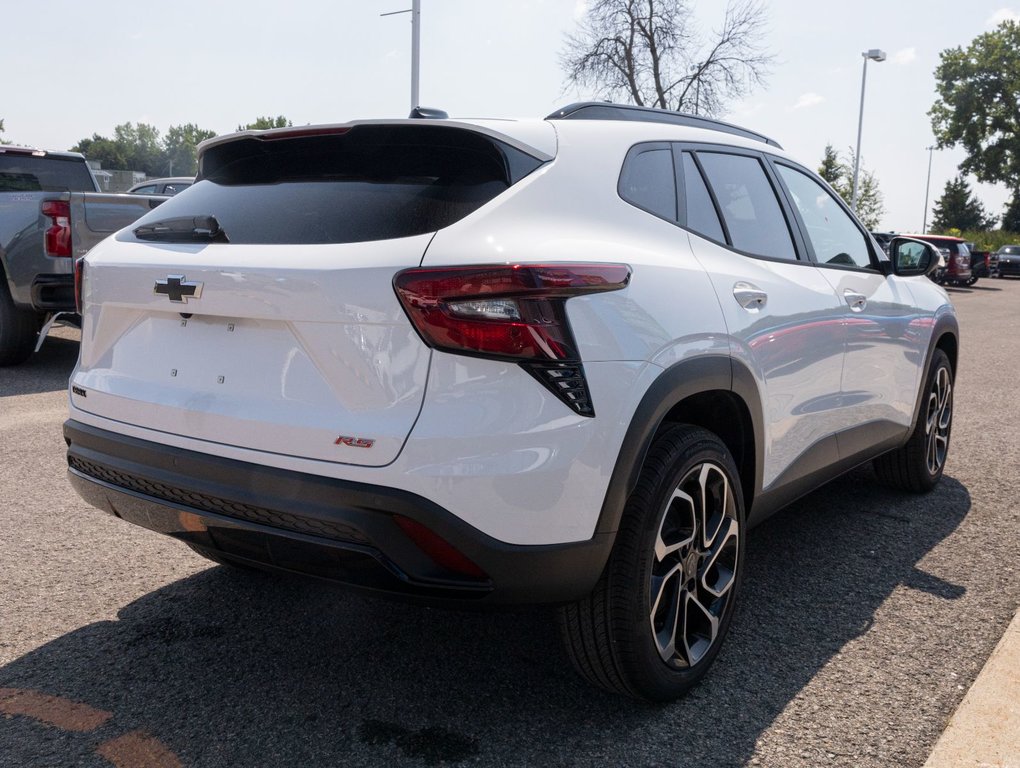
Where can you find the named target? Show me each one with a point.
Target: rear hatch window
(369, 182)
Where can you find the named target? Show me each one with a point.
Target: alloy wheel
(938, 420)
(694, 566)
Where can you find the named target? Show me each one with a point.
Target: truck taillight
(513, 312)
(79, 277)
(57, 238)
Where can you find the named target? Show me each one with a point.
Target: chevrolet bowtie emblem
(177, 289)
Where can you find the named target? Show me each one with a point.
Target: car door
(885, 333)
(784, 320)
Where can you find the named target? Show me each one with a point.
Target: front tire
(918, 465)
(655, 621)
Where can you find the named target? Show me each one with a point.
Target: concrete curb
(984, 732)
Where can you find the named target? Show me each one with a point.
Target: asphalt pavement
(865, 617)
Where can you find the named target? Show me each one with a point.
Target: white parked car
(568, 360)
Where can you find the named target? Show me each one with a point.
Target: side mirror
(912, 257)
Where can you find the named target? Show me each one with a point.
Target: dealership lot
(866, 614)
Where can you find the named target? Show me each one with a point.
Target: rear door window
(701, 214)
(754, 218)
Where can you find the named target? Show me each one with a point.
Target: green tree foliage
(180, 148)
(840, 176)
(978, 92)
(1011, 216)
(139, 147)
(265, 123)
(651, 53)
(958, 208)
(2, 139)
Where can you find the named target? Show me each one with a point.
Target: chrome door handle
(749, 296)
(857, 301)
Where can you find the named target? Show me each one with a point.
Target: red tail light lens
(57, 238)
(79, 276)
(513, 312)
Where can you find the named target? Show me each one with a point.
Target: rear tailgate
(276, 328)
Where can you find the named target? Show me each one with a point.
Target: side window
(833, 234)
(148, 189)
(648, 181)
(701, 215)
(750, 208)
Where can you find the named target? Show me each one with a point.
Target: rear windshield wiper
(184, 229)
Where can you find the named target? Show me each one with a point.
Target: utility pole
(927, 186)
(415, 11)
(873, 54)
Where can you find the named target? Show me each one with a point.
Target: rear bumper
(338, 530)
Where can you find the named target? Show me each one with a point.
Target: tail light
(513, 312)
(57, 238)
(79, 276)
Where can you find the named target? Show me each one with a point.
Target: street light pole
(873, 54)
(927, 186)
(415, 11)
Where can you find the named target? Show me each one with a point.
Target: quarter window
(834, 236)
(750, 208)
(648, 181)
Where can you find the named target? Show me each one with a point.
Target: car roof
(948, 238)
(10, 149)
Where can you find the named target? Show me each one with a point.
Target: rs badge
(355, 442)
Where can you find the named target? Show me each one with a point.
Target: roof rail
(604, 110)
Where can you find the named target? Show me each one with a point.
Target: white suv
(568, 360)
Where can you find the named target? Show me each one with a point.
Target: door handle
(749, 296)
(857, 301)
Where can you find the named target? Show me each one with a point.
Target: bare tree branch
(651, 52)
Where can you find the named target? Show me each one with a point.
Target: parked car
(957, 270)
(982, 263)
(40, 237)
(1008, 261)
(883, 239)
(563, 361)
(168, 186)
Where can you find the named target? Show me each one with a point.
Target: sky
(70, 69)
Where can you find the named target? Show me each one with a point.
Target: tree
(180, 148)
(840, 176)
(958, 208)
(138, 147)
(978, 92)
(265, 123)
(2, 139)
(1011, 217)
(650, 53)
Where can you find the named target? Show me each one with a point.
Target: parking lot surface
(866, 614)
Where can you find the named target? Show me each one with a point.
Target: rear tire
(18, 328)
(918, 465)
(655, 621)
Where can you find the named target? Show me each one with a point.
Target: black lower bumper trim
(53, 293)
(317, 526)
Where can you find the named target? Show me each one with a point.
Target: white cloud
(808, 100)
(906, 56)
(1001, 15)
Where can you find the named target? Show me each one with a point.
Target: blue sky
(70, 69)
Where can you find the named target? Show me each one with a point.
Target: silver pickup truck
(51, 212)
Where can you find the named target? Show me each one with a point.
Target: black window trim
(639, 149)
(799, 246)
(873, 268)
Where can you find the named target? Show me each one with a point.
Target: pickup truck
(51, 212)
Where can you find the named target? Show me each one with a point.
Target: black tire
(918, 465)
(617, 637)
(18, 328)
(970, 281)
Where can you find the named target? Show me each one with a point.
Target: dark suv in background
(1008, 261)
(954, 251)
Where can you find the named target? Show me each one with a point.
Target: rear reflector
(79, 276)
(442, 552)
(57, 238)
